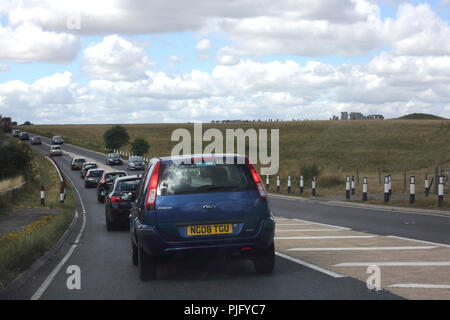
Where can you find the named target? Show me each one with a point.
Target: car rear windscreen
(96, 173)
(128, 185)
(112, 176)
(135, 159)
(204, 178)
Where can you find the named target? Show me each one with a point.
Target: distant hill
(421, 116)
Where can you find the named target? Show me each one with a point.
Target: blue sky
(275, 61)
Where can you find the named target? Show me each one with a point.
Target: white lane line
(40, 291)
(310, 265)
(395, 264)
(362, 248)
(323, 224)
(294, 224)
(324, 237)
(421, 241)
(302, 230)
(420, 286)
(393, 210)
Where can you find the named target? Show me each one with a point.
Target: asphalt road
(104, 258)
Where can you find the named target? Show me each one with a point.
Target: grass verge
(20, 249)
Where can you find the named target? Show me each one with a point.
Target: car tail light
(116, 199)
(257, 179)
(151, 193)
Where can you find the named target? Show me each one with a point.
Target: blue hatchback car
(201, 204)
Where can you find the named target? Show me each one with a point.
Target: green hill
(421, 116)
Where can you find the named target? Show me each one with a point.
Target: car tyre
(134, 256)
(147, 265)
(265, 260)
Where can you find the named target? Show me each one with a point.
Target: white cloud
(4, 67)
(28, 43)
(115, 59)
(203, 45)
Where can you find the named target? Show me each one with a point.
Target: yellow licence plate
(211, 229)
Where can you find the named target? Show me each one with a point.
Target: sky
(160, 61)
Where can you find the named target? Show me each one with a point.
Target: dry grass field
(338, 148)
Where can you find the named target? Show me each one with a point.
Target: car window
(96, 173)
(127, 185)
(112, 176)
(203, 178)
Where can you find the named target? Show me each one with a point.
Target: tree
(139, 146)
(116, 137)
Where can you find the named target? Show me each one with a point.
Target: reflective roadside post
(301, 184)
(314, 186)
(289, 184)
(42, 195)
(441, 191)
(386, 189)
(278, 183)
(427, 185)
(353, 185)
(390, 185)
(412, 190)
(267, 181)
(364, 195)
(347, 187)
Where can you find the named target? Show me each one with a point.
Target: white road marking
(324, 237)
(294, 224)
(395, 264)
(40, 291)
(302, 230)
(420, 286)
(323, 224)
(421, 241)
(362, 248)
(310, 265)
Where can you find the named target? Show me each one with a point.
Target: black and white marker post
(427, 185)
(412, 189)
(42, 195)
(278, 183)
(347, 187)
(386, 189)
(289, 184)
(364, 194)
(441, 191)
(62, 193)
(314, 186)
(390, 185)
(267, 182)
(353, 185)
(301, 184)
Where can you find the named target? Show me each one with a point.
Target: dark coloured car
(86, 166)
(93, 177)
(200, 204)
(77, 163)
(24, 136)
(119, 201)
(106, 182)
(114, 159)
(16, 133)
(36, 140)
(57, 140)
(136, 163)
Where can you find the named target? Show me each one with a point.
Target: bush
(16, 159)
(308, 171)
(139, 146)
(116, 137)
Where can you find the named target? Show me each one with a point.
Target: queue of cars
(213, 204)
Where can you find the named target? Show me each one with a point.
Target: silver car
(55, 151)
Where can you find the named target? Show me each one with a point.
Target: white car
(55, 151)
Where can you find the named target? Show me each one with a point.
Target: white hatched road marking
(294, 224)
(310, 265)
(363, 248)
(327, 225)
(420, 286)
(395, 264)
(421, 241)
(324, 237)
(302, 230)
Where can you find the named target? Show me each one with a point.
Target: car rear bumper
(153, 243)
